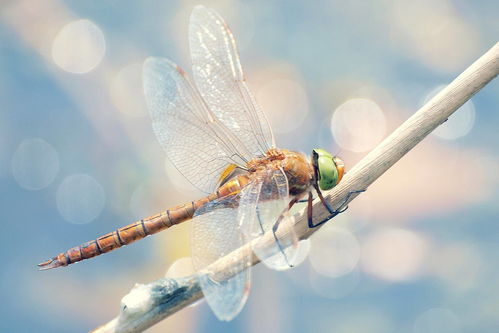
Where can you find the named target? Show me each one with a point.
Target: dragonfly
(215, 133)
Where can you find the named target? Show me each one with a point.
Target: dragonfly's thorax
(295, 165)
(299, 171)
(273, 159)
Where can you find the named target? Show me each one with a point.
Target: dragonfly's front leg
(343, 207)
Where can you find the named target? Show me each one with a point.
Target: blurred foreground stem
(148, 304)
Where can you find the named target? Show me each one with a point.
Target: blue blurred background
(418, 252)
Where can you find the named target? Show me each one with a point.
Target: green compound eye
(326, 169)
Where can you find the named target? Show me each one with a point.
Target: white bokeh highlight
(80, 199)
(285, 103)
(458, 265)
(35, 164)
(304, 247)
(437, 320)
(78, 47)
(358, 125)
(126, 91)
(335, 251)
(427, 30)
(394, 254)
(143, 201)
(358, 215)
(459, 124)
(334, 288)
(179, 182)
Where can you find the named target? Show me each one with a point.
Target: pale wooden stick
(164, 297)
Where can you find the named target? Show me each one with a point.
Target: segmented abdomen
(140, 229)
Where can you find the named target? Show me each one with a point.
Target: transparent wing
(197, 144)
(263, 203)
(215, 233)
(221, 82)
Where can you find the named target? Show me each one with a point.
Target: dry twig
(164, 297)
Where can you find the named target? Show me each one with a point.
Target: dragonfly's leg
(326, 204)
(259, 220)
(343, 207)
(310, 210)
(276, 226)
(281, 216)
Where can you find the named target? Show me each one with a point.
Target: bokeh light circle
(80, 199)
(334, 288)
(79, 47)
(302, 252)
(358, 215)
(459, 123)
(126, 91)
(179, 182)
(334, 252)
(143, 201)
(427, 30)
(358, 124)
(394, 254)
(285, 103)
(437, 320)
(459, 265)
(35, 164)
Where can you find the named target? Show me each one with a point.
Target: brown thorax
(271, 156)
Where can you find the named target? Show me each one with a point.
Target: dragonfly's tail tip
(49, 264)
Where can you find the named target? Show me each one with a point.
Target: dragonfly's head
(328, 168)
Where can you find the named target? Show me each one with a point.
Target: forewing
(215, 233)
(221, 82)
(197, 144)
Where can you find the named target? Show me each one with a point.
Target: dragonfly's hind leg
(276, 226)
(274, 230)
(343, 207)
